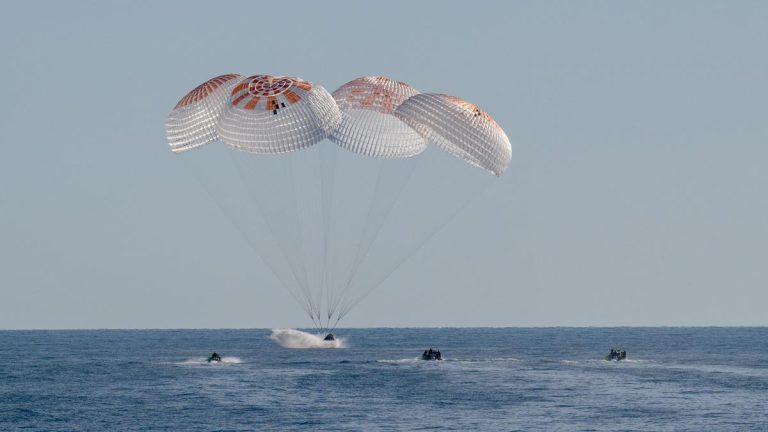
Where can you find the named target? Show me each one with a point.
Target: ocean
(491, 379)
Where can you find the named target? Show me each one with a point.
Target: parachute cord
(387, 275)
(379, 227)
(248, 240)
(305, 304)
(322, 285)
(336, 323)
(358, 254)
(274, 233)
(326, 201)
(319, 328)
(363, 230)
(377, 231)
(331, 329)
(300, 237)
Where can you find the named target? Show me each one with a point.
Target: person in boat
(214, 358)
(431, 354)
(617, 354)
(330, 337)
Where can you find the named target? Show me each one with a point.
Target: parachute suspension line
(418, 247)
(247, 238)
(337, 299)
(360, 258)
(318, 252)
(289, 169)
(291, 264)
(327, 183)
(338, 318)
(320, 174)
(322, 286)
(358, 254)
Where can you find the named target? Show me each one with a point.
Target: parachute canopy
(373, 116)
(266, 114)
(458, 127)
(193, 121)
(368, 125)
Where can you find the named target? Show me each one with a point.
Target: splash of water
(204, 361)
(290, 338)
(413, 360)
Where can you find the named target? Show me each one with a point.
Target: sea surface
(506, 379)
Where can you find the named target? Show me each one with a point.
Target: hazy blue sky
(636, 193)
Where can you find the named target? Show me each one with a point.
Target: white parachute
(273, 115)
(194, 120)
(368, 123)
(458, 127)
(334, 221)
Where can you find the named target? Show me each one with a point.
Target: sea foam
(204, 361)
(291, 338)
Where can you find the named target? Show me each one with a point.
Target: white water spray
(204, 361)
(290, 338)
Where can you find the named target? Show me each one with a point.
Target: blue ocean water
(677, 379)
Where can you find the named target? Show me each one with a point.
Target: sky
(636, 193)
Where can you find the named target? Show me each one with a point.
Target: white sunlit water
(204, 361)
(681, 379)
(291, 338)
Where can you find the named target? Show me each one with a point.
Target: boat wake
(204, 361)
(291, 338)
(606, 363)
(413, 360)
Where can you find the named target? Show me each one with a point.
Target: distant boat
(214, 358)
(431, 354)
(617, 354)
